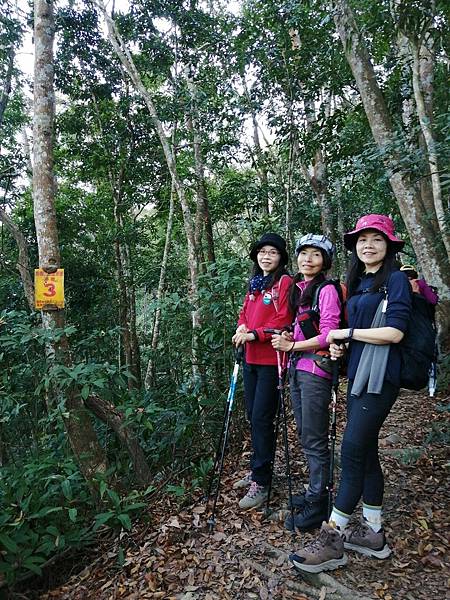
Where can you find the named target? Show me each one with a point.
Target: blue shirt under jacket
(361, 308)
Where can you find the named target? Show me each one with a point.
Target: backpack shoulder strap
(275, 291)
(337, 285)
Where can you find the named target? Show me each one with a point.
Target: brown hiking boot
(325, 553)
(363, 539)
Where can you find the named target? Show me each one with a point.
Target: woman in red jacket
(265, 306)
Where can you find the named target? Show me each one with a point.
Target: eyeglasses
(270, 253)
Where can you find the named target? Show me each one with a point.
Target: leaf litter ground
(246, 556)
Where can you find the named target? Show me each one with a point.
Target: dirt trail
(175, 558)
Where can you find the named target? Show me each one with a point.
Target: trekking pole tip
(211, 524)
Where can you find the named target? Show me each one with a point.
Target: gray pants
(311, 397)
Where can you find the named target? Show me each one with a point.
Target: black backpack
(418, 347)
(342, 294)
(309, 320)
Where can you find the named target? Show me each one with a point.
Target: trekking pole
(332, 434)
(282, 368)
(221, 446)
(432, 373)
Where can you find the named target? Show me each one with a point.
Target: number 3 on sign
(49, 289)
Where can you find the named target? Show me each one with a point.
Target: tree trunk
(23, 261)
(316, 175)
(131, 305)
(341, 254)
(423, 237)
(27, 152)
(150, 375)
(4, 96)
(408, 119)
(202, 221)
(81, 434)
(426, 121)
(260, 162)
(127, 297)
(125, 281)
(109, 414)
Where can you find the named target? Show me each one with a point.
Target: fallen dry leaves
(175, 558)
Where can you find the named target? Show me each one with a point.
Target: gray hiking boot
(256, 495)
(363, 539)
(243, 482)
(325, 553)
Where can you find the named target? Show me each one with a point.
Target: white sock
(372, 515)
(339, 518)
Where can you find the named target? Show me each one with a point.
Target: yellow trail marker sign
(48, 290)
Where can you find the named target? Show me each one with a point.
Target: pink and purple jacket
(330, 312)
(426, 291)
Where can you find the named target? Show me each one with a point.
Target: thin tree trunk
(202, 221)
(150, 375)
(23, 261)
(260, 162)
(413, 142)
(4, 95)
(131, 305)
(426, 71)
(425, 120)
(27, 152)
(125, 279)
(81, 433)
(316, 175)
(123, 310)
(340, 250)
(109, 414)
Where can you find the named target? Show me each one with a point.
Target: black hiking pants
(261, 403)
(361, 474)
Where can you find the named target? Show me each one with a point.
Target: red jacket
(258, 315)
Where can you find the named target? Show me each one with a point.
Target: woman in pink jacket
(317, 304)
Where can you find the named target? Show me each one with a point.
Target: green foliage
(47, 504)
(411, 456)
(44, 504)
(47, 507)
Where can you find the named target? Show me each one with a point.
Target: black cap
(270, 239)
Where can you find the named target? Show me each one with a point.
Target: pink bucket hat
(379, 222)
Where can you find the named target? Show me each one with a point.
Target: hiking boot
(325, 553)
(244, 482)
(363, 539)
(311, 517)
(256, 495)
(298, 501)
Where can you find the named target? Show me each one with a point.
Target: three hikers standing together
(378, 311)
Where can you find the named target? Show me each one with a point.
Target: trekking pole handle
(277, 331)
(336, 364)
(239, 353)
(335, 381)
